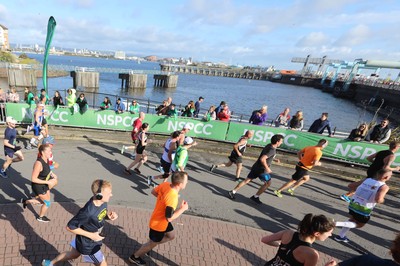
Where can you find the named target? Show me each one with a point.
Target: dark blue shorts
(262, 176)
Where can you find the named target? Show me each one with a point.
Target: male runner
(10, 147)
(137, 124)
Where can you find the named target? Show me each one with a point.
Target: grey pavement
(214, 231)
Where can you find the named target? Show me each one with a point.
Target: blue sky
(257, 32)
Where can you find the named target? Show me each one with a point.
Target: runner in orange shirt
(308, 158)
(161, 229)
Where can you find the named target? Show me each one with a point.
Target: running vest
(178, 154)
(241, 148)
(140, 139)
(363, 202)
(378, 162)
(166, 150)
(284, 256)
(45, 173)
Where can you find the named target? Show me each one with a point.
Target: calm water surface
(243, 96)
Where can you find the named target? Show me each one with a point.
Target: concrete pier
(22, 78)
(165, 81)
(86, 79)
(133, 81)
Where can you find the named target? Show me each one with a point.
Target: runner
(380, 160)
(42, 179)
(182, 155)
(308, 158)
(236, 155)
(161, 229)
(166, 159)
(295, 248)
(38, 131)
(261, 169)
(87, 225)
(141, 156)
(137, 124)
(10, 146)
(368, 194)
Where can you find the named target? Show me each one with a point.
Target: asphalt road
(82, 161)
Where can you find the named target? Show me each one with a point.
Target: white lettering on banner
(287, 138)
(198, 128)
(353, 151)
(114, 120)
(262, 136)
(59, 116)
(26, 112)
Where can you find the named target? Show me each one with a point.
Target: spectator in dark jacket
(320, 124)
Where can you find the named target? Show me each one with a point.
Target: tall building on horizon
(4, 42)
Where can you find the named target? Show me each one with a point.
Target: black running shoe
(43, 219)
(256, 200)
(231, 194)
(137, 261)
(23, 201)
(127, 171)
(137, 171)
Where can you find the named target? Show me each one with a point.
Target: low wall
(340, 149)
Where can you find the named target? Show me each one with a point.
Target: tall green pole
(51, 26)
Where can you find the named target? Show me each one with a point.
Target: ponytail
(315, 223)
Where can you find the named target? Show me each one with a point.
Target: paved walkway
(232, 237)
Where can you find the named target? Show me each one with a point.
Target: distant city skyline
(250, 33)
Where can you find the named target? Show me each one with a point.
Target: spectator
(13, 96)
(3, 99)
(297, 121)
(358, 134)
(259, 117)
(57, 99)
(71, 97)
(172, 112)
(225, 114)
(106, 104)
(189, 109)
(380, 133)
(82, 103)
(29, 97)
(3, 96)
(220, 107)
(162, 109)
(283, 118)
(320, 124)
(119, 106)
(197, 107)
(210, 114)
(134, 108)
(43, 97)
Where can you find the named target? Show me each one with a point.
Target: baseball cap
(11, 120)
(48, 140)
(187, 126)
(187, 141)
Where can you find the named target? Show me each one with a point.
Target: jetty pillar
(85, 78)
(22, 77)
(166, 81)
(133, 81)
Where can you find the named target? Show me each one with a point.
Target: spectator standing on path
(236, 156)
(380, 133)
(106, 104)
(57, 100)
(161, 229)
(380, 160)
(13, 96)
(319, 125)
(119, 106)
(371, 192)
(372, 260)
(42, 179)
(182, 155)
(197, 107)
(167, 157)
(297, 121)
(308, 158)
(259, 117)
(141, 156)
(134, 108)
(220, 107)
(10, 146)
(358, 134)
(261, 169)
(87, 225)
(295, 248)
(283, 118)
(137, 125)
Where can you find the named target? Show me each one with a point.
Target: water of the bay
(243, 96)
